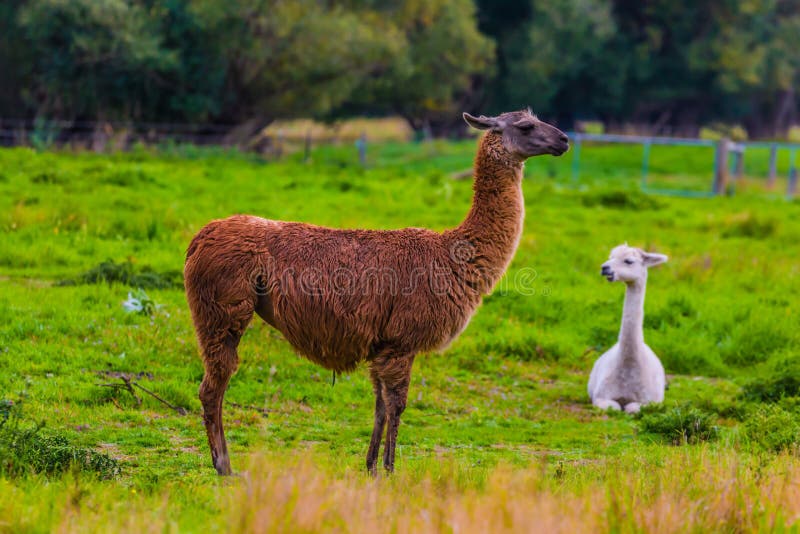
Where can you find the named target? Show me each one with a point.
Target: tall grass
(691, 490)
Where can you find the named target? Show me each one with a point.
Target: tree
(771, 99)
(93, 58)
(561, 63)
(14, 61)
(442, 61)
(293, 58)
(717, 60)
(554, 56)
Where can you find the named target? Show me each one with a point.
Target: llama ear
(651, 259)
(482, 122)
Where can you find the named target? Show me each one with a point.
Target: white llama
(629, 374)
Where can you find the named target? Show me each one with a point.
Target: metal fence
(728, 160)
(97, 134)
(101, 136)
(728, 156)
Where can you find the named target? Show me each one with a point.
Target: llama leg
(395, 374)
(221, 360)
(212, 392)
(605, 404)
(633, 407)
(377, 429)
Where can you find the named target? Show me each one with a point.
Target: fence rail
(728, 160)
(100, 136)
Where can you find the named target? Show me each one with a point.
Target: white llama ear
(652, 259)
(483, 122)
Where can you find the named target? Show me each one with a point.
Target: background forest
(665, 66)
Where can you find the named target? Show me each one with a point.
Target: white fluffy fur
(629, 375)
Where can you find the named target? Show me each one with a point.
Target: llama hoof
(373, 471)
(223, 466)
(606, 404)
(632, 407)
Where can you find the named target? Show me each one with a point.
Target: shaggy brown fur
(341, 297)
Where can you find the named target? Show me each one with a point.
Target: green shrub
(680, 424)
(128, 274)
(621, 199)
(677, 309)
(127, 177)
(772, 428)
(782, 381)
(25, 448)
(751, 226)
(48, 177)
(752, 338)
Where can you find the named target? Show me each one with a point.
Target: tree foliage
(668, 65)
(442, 58)
(286, 58)
(671, 64)
(93, 57)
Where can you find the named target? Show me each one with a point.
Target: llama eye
(526, 127)
(629, 262)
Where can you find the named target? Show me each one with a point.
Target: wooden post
(307, 151)
(645, 163)
(361, 145)
(738, 161)
(279, 145)
(576, 158)
(721, 167)
(791, 188)
(773, 166)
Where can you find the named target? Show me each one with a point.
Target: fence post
(721, 167)
(773, 166)
(576, 158)
(361, 145)
(791, 187)
(279, 145)
(307, 147)
(645, 163)
(738, 161)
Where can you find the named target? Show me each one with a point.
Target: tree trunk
(773, 117)
(450, 126)
(244, 134)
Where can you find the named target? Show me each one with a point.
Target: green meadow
(497, 425)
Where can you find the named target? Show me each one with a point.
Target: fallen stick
(179, 409)
(128, 385)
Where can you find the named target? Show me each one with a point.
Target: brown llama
(341, 297)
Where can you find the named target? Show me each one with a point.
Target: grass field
(498, 435)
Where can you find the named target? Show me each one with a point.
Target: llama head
(629, 264)
(524, 135)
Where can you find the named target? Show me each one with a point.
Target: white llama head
(629, 264)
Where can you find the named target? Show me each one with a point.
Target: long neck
(631, 334)
(487, 239)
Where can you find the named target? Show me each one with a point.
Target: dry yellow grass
(687, 493)
(376, 130)
(688, 490)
